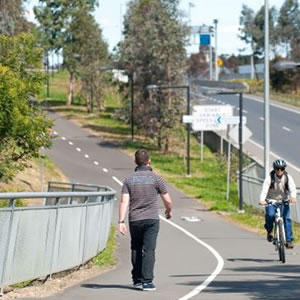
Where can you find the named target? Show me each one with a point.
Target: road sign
(220, 62)
(205, 29)
(232, 120)
(187, 119)
(208, 117)
(204, 39)
(234, 134)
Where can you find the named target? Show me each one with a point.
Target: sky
(110, 13)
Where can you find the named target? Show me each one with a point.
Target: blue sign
(204, 39)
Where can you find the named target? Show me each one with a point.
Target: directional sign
(204, 39)
(209, 117)
(187, 119)
(232, 120)
(234, 134)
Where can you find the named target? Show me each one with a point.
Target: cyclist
(279, 185)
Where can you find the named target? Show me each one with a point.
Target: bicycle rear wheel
(281, 246)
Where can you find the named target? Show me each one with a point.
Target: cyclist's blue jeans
(285, 212)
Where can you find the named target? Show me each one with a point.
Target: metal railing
(63, 231)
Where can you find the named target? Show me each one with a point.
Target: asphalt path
(209, 258)
(284, 126)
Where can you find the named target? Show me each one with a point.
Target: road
(209, 259)
(284, 127)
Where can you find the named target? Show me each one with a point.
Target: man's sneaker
(270, 237)
(138, 285)
(148, 286)
(289, 245)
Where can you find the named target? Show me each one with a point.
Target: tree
(252, 31)
(230, 62)
(12, 20)
(154, 51)
(91, 53)
(288, 24)
(197, 65)
(23, 127)
(259, 23)
(247, 30)
(55, 18)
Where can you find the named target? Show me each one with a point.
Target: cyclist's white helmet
(279, 163)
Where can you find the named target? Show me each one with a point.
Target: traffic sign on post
(234, 134)
(204, 39)
(233, 120)
(209, 117)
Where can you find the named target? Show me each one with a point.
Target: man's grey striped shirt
(143, 187)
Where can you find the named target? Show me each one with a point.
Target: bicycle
(279, 238)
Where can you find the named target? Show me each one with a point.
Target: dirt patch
(29, 180)
(58, 283)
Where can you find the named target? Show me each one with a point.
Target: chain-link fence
(67, 229)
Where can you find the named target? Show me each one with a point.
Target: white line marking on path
(245, 111)
(213, 275)
(86, 156)
(70, 143)
(63, 138)
(78, 149)
(105, 170)
(117, 180)
(262, 119)
(96, 163)
(274, 154)
(54, 132)
(287, 129)
(219, 258)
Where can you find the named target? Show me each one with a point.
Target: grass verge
(208, 181)
(107, 258)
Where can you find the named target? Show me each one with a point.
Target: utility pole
(47, 69)
(210, 57)
(216, 50)
(267, 93)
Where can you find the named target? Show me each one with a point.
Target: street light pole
(241, 154)
(267, 92)
(47, 69)
(210, 57)
(132, 106)
(216, 50)
(131, 83)
(188, 131)
(187, 87)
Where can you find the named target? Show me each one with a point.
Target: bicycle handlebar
(273, 201)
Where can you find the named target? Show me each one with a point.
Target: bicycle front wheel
(281, 246)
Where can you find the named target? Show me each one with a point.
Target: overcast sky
(110, 13)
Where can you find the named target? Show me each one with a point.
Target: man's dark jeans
(143, 243)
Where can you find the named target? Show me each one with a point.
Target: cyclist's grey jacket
(279, 192)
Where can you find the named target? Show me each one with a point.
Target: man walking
(139, 193)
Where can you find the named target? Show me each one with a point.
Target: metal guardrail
(63, 231)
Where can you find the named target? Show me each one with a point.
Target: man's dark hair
(141, 157)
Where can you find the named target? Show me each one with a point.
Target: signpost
(205, 39)
(234, 134)
(210, 117)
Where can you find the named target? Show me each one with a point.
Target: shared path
(200, 254)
